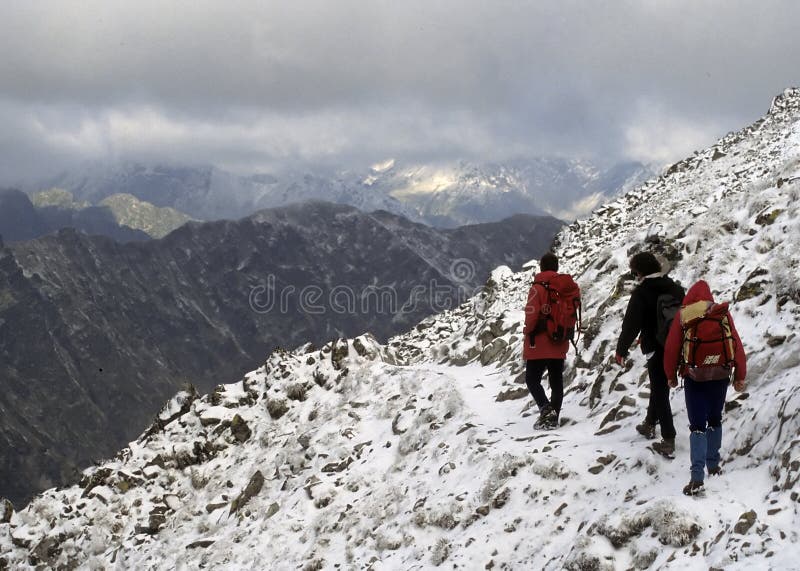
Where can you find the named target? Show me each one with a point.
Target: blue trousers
(704, 403)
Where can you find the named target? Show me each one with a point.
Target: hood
(699, 302)
(545, 276)
(698, 292)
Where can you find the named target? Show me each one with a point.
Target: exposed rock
(746, 521)
(775, 341)
(97, 478)
(608, 430)
(200, 543)
(340, 351)
(277, 407)
(6, 510)
(466, 357)
(365, 346)
(492, 351)
(240, 430)
(337, 466)
(48, 549)
(512, 394)
(215, 506)
(749, 291)
(296, 392)
(501, 499)
(272, 510)
(182, 401)
(253, 487)
(768, 218)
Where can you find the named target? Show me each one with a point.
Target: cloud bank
(259, 85)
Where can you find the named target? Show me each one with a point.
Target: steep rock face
(134, 213)
(417, 453)
(21, 220)
(126, 210)
(18, 218)
(96, 334)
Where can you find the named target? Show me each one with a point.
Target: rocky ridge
(95, 335)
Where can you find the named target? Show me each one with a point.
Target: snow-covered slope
(421, 453)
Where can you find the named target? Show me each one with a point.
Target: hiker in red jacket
(704, 347)
(545, 344)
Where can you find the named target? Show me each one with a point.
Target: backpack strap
(541, 320)
(578, 310)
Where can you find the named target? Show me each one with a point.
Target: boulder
(253, 488)
(492, 351)
(746, 521)
(240, 430)
(6, 510)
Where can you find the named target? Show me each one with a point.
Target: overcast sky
(252, 86)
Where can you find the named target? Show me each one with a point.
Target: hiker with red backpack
(552, 319)
(653, 302)
(704, 347)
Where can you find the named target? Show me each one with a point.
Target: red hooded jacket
(700, 292)
(544, 347)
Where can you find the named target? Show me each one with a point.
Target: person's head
(644, 264)
(549, 262)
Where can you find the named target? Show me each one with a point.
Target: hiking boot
(666, 447)
(647, 430)
(693, 488)
(552, 420)
(548, 419)
(715, 471)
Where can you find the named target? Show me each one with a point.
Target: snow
(421, 452)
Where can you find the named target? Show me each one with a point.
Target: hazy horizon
(262, 86)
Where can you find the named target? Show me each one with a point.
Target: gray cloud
(252, 85)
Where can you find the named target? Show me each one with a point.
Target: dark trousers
(659, 410)
(534, 370)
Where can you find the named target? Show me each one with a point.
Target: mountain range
(420, 452)
(445, 195)
(127, 210)
(21, 219)
(96, 334)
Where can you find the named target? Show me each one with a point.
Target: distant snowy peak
(382, 166)
(467, 193)
(441, 195)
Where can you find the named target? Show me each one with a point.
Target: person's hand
(619, 360)
(739, 385)
(673, 383)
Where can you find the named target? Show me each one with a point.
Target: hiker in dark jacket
(706, 368)
(540, 351)
(641, 320)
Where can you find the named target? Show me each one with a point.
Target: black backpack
(667, 307)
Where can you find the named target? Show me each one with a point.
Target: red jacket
(544, 347)
(700, 292)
